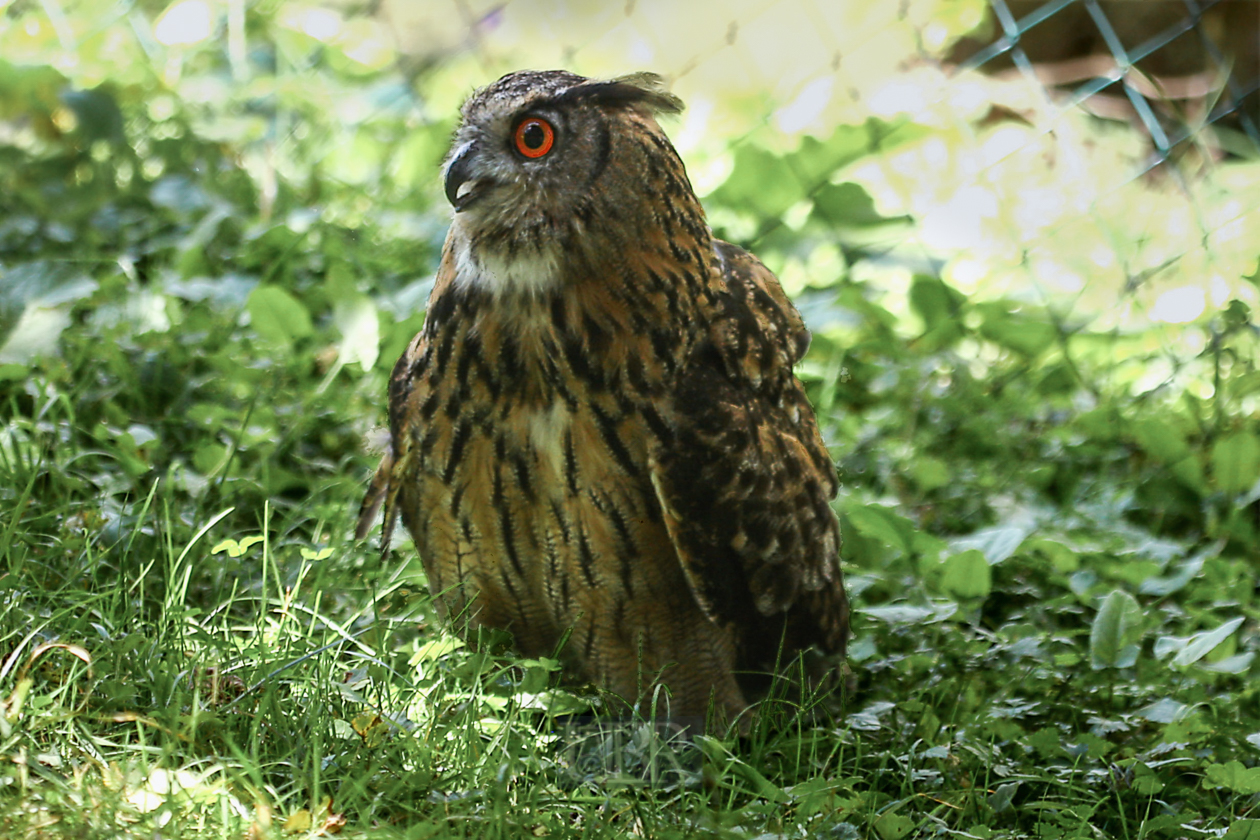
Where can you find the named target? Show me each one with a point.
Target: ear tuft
(645, 91)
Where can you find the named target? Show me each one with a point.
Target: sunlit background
(1014, 190)
(1113, 178)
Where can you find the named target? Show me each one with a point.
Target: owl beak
(461, 186)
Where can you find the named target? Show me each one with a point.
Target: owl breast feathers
(597, 441)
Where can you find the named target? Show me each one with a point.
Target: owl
(596, 440)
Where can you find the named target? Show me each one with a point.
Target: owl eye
(534, 137)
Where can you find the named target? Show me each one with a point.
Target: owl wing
(745, 482)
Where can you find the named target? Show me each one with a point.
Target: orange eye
(534, 137)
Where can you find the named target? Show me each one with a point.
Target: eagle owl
(597, 441)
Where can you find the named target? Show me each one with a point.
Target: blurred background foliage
(1024, 234)
(180, 178)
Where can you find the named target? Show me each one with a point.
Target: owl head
(548, 160)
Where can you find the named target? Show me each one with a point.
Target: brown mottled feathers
(747, 482)
(597, 436)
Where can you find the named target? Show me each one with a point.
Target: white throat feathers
(531, 271)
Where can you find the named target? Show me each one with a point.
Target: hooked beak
(461, 187)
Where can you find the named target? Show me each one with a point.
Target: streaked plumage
(597, 435)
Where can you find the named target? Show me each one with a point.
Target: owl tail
(380, 492)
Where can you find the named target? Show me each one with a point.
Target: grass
(194, 653)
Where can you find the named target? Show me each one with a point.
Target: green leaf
(28, 89)
(96, 114)
(1058, 379)
(1116, 630)
(1189, 471)
(1064, 558)
(355, 318)
(908, 614)
(35, 335)
(1236, 462)
(1166, 710)
(815, 796)
(760, 182)
(278, 316)
(1188, 730)
(1145, 781)
(1239, 663)
(762, 786)
(815, 160)
(893, 826)
(942, 309)
(537, 674)
(1201, 644)
(1015, 331)
(1232, 775)
(234, 548)
(1162, 441)
(435, 649)
(847, 205)
(1000, 799)
(1047, 741)
(1186, 571)
(767, 184)
(1243, 830)
(934, 301)
(180, 194)
(996, 543)
(35, 300)
(1236, 314)
(929, 473)
(881, 524)
(968, 575)
(209, 458)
